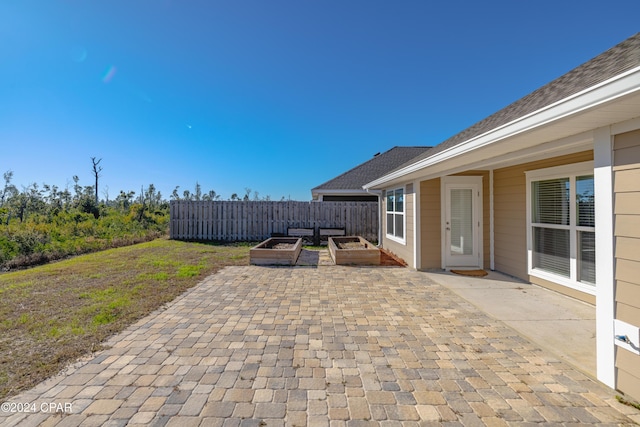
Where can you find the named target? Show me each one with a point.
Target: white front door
(462, 221)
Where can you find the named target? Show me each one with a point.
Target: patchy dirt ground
(53, 314)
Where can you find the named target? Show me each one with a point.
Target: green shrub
(8, 249)
(45, 237)
(29, 241)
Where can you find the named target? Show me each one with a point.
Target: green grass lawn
(53, 314)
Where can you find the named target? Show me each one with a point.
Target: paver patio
(323, 346)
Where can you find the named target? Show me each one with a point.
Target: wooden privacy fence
(256, 221)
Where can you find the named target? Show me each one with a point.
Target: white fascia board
(609, 90)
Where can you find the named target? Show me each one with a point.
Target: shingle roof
(615, 61)
(372, 169)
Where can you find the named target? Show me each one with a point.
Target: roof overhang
(341, 192)
(560, 128)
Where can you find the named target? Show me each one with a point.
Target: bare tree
(198, 194)
(96, 173)
(141, 211)
(105, 193)
(9, 189)
(174, 194)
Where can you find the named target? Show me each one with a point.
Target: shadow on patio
(560, 324)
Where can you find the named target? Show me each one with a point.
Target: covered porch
(562, 325)
(499, 208)
(545, 190)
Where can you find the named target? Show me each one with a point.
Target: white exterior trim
(470, 180)
(379, 201)
(381, 211)
(605, 268)
(609, 90)
(558, 147)
(561, 171)
(492, 257)
(417, 262)
(391, 237)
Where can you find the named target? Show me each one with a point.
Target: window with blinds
(395, 213)
(551, 250)
(562, 223)
(587, 257)
(551, 201)
(585, 228)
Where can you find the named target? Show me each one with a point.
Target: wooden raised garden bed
(276, 251)
(353, 250)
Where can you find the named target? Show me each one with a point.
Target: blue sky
(276, 96)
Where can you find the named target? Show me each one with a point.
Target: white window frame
(568, 171)
(393, 237)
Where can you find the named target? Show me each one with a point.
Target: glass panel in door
(461, 236)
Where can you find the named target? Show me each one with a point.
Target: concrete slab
(562, 325)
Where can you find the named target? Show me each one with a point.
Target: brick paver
(324, 346)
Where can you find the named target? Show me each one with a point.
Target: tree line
(211, 195)
(49, 201)
(43, 223)
(40, 223)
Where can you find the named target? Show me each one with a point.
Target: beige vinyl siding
(627, 367)
(626, 291)
(430, 221)
(628, 313)
(510, 221)
(627, 180)
(626, 175)
(626, 151)
(627, 203)
(627, 270)
(573, 293)
(510, 217)
(404, 251)
(627, 226)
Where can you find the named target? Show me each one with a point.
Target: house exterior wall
(626, 175)
(510, 220)
(403, 250)
(430, 220)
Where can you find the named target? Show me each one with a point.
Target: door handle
(448, 228)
